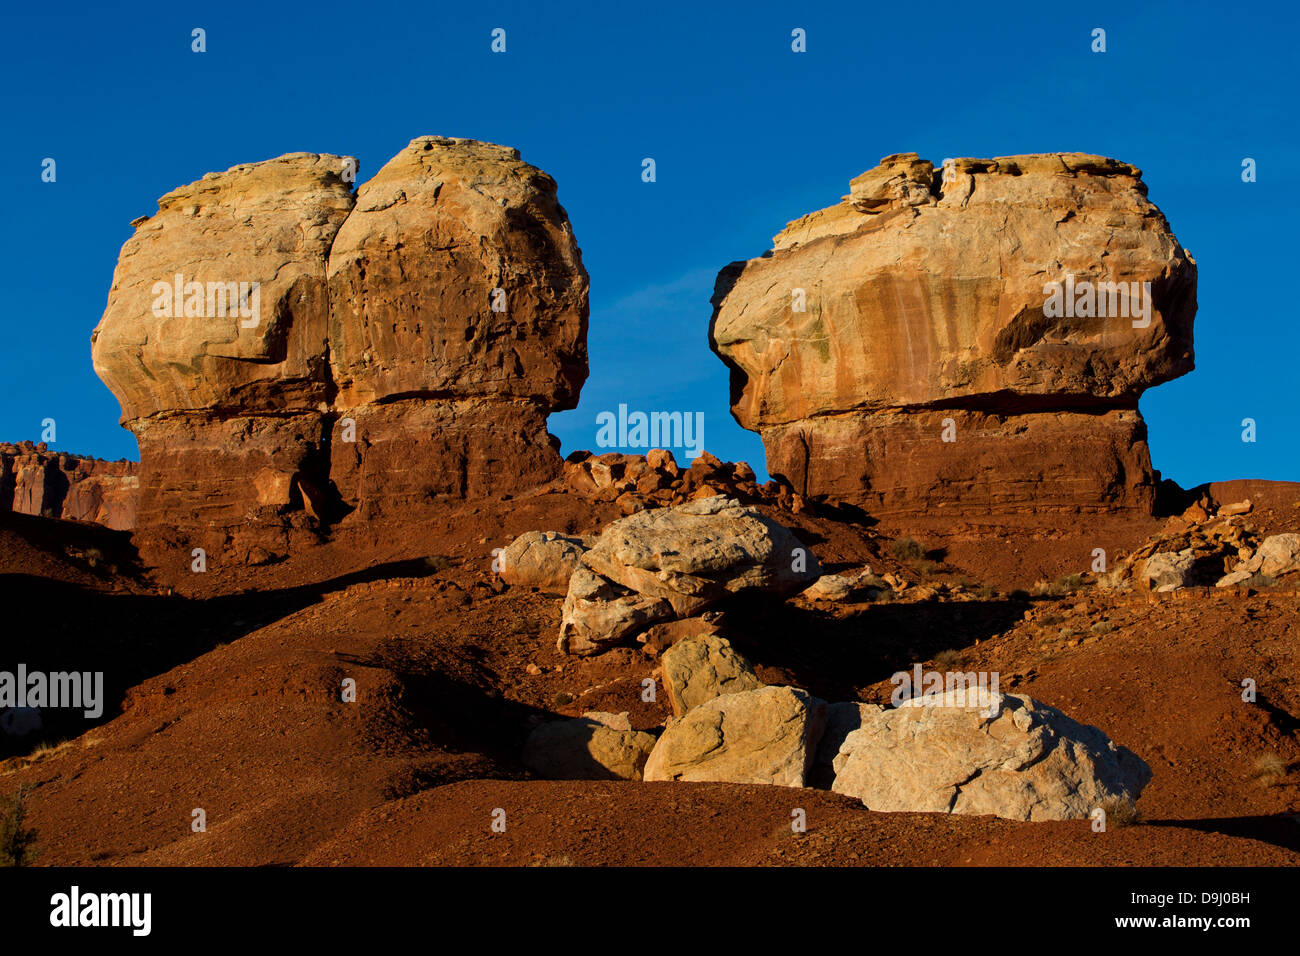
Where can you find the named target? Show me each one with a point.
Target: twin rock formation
(897, 350)
(407, 342)
(916, 309)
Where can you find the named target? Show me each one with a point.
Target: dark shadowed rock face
(402, 344)
(37, 481)
(920, 307)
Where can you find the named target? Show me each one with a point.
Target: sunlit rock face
(974, 336)
(288, 352)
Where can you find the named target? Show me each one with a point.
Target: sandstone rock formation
(228, 406)
(767, 735)
(542, 559)
(286, 352)
(458, 320)
(919, 308)
(944, 753)
(37, 481)
(595, 746)
(698, 669)
(673, 563)
(1208, 544)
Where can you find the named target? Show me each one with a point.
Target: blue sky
(746, 135)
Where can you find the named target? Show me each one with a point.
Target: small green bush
(16, 840)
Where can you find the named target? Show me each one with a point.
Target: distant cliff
(37, 481)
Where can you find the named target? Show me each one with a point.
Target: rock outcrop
(698, 669)
(458, 321)
(37, 481)
(227, 392)
(904, 350)
(1208, 544)
(542, 559)
(287, 352)
(670, 563)
(595, 746)
(767, 735)
(979, 753)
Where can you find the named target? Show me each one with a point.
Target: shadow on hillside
(833, 657)
(1281, 831)
(58, 626)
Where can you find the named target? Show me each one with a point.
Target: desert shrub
(1120, 812)
(923, 567)
(1258, 580)
(987, 592)
(1270, 770)
(907, 550)
(16, 839)
(950, 658)
(1102, 627)
(438, 562)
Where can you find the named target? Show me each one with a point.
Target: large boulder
(984, 753)
(1168, 570)
(918, 310)
(542, 559)
(1278, 554)
(767, 735)
(674, 562)
(598, 614)
(286, 352)
(698, 669)
(595, 746)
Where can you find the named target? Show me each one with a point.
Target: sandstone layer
(37, 481)
(920, 309)
(287, 352)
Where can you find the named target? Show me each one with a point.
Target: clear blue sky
(746, 135)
